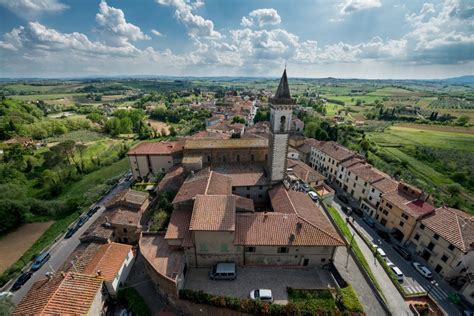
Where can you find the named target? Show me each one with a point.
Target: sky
(375, 39)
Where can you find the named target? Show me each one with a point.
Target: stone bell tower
(281, 110)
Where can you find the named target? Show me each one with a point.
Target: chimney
(99, 273)
(299, 225)
(292, 237)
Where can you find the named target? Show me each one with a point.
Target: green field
(45, 97)
(400, 135)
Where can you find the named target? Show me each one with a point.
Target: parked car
(22, 279)
(313, 196)
(369, 221)
(70, 232)
(385, 236)
(343, 199)
(424, 271)
(93, 210)
(305, 187)
(404, 253)
(40, 260)
(223, 271)
(381, 253)
(398, 273)
(357, 211)
(81, 221)
(346, 209)
(4, 295)
(264, 295)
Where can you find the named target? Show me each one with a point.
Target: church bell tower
(281, 110)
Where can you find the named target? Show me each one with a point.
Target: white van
(398, 273)
(223, 271)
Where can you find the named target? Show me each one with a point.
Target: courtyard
(249, 278)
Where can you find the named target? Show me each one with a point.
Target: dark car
(70, 232)
(405, 254)
(369, 221)
(40, 260)
(343, 199)
(346, 209)
(385, 236)
(93, 210)
(22, 279)
(81, 221)
(357, 211)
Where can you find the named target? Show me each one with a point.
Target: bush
(134, 301)
(348, 301)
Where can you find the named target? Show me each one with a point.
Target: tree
(310, 129)
(238, 119)
(173, 132)
(463, 120)
(454, 188)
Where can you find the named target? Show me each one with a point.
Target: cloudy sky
(315, 38)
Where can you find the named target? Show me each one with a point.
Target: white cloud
(33, 8)
(261, 17)
(112, 22)
(196, 25)
(351, 6)
(156, 33)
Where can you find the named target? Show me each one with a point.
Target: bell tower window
(282, 123)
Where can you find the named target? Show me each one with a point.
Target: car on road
(313, 196)
(22, 279)
(346, 209)
(264, 295)
(70, 232)
(93, 210)
(384, 235)
(404, 253)
(369, 221)
(82, 220)
(40, 260)
(424, 271)
(343, 199)
(5, 295)
(305, 187)
(357, 211)
(381, 253)
(398, 273)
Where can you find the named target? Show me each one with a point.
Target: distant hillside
(460, 80)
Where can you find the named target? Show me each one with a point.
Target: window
(357, 178)
(436, 236)
(208, 158)
(283, 249)
(451, 247)
(203, 247)
(354, 185)
(370, 198)
(233, 188)
(401, 224)
(365, 184)
(252, 157)
(260, 187)
(248, 196)
(389, 205)
(223, 158)
(431, 246)
(248, 188)
(124, 230)
(224, 248)
(417, 237)
(422, 226)
(249, 249)
(385, 212)
(238, 158)
(352, 192)
(363, 191)
(323, 259)
(260, 196)
(444, 258)
(405, 216)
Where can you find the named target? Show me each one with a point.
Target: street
(413, 280)
(61, 250)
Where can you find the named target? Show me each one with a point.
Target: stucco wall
(257, 194)
(158, 164)
(121, 275)
(268, 255)
(97, 304)
(213, 247)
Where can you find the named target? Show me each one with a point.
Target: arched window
(282, 123)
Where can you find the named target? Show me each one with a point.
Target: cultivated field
(157, 125)
(14, 244)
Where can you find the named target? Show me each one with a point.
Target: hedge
(134, 301)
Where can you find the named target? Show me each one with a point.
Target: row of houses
(442, 236)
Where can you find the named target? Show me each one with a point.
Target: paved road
(63, 248)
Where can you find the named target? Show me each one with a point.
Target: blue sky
(318, 38)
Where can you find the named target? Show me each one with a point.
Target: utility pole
(349, 249)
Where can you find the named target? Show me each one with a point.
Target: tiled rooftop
(108, 260)
(71, 294)
(164, 259)
(213, 213)
(385, 185)
(304, 172)
(409, 204)
(366, 172)
(334, 150)
(125, 216)
(226, 143)
(156, 148)
(179, 224)
(243, 174)
(204, 182)
(452, 225)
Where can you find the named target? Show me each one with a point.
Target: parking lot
(250, 278)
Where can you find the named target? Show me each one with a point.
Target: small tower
(281, 110)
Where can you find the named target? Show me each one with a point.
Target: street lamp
(433, 284)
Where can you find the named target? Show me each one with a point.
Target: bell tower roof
(282, 95)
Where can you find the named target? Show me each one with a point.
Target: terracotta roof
(156, 148)
(167, 261)
(71, 294)
(78, 260)
(108, 260)
(125, 216)
(452, 225)
(213, 213)
(178, 227)
(243, 174)
(385, 185)
(226, 143)
(208, 135)
(304, 172)
(367, 173)
(352, 162)
(292, 202)
(336, 151)
(243, 204)
(277, 229)
(204, 182)
(409, 204)
(172, 180)
(98, 231)
(136, 197)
